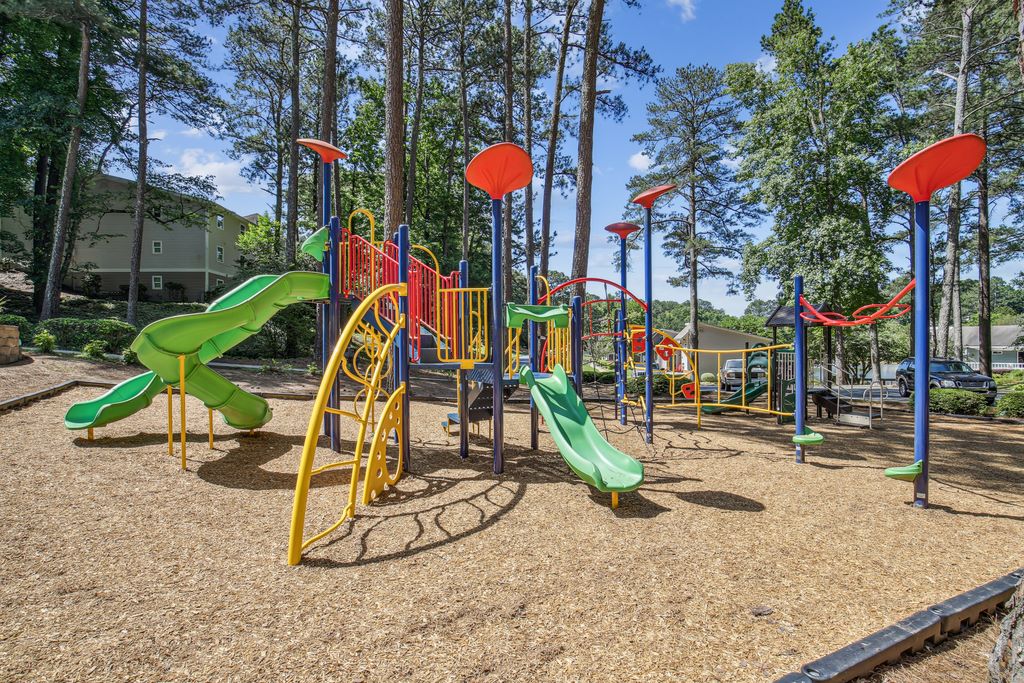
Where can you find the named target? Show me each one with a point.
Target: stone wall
(1007, 662)
(10, 345)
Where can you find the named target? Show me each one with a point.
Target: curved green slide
(751, 391)
(583, 448)
(202, 337)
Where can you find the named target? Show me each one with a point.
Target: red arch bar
(578, 280)
(859, 316)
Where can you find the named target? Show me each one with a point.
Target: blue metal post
(799, 354)
(327, 312)
(463, 383)
(402, 351)
(922, 353)
(621, 344)
(533, 353)
(648, 331)
(497, 336)
(576, 343)
(334, 323)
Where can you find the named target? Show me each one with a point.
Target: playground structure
(399, 310)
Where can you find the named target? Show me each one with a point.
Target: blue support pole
(620, 345)
(800, 357)
(576, 343)
(463, 383)
(497, 336)
(648, 331)
(327, 312)
(533, 352)
(334, 324)
(922, 353)
(402, 350)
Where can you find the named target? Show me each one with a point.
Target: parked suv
(946, 373)
(731, 375)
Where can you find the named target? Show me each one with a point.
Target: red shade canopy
(623, 230)
(500, 169)
(937, 166)
(647, 197)
(326, 150)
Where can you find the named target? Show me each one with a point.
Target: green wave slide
(593, 459)
(752, 391)
(202, 337)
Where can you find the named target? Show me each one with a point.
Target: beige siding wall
(187, 252)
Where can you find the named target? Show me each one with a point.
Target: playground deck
(730, 564)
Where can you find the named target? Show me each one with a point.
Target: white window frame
(157, 282)
(158, 246)
(220, 282)
(220, 253)
(220, 221)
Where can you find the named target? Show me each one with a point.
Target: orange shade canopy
(937, 166)
(500, 169)
(623, 230)
(326, 150)
(647, 197)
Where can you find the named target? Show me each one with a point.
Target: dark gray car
(946, 373)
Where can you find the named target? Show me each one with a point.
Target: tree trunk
(953, 215)
(585, 149)
(1020, 37)
(840, 356)
(291, 232)
(42, 232)
(464, 116)
(394, 118)
(506, 239)
(417, 115)
(876, 353)
(328, 93)
(51, 299)
(553, 125)
(135, 262)
(528, 127)
(984, 278)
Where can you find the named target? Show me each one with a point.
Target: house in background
(1007, 347)
(714, 337)
(186, 242)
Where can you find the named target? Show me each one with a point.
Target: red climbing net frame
(366, 267)
(865, 315)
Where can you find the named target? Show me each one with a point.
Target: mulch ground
(731, 564)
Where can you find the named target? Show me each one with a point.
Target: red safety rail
(365, 267)
(609, 312)
(861, 316)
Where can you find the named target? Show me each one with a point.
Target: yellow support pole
(210, 413)
(181, 390)
(170, 421)
(88, 434)
(615, 500)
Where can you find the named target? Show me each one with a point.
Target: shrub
(91, 284)
(600, 376)
(313, 370)
(708, 378)
(143, 292)
(659, 385)
(1011, 405)
(25, 328)
(129, 357)
(1013, 377)
(45, 341)
(175, 291)
(95, 349)
(75, 333)
(955, 402)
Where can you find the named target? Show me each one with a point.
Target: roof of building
(702, 327)
(130, 182)
(782, 316)
(1003, 336)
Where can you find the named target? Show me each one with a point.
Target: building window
(220, 222)
(158, 247)
(158, 282)
(220, 254)
(220, 282)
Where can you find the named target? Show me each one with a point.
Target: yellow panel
(377, 475)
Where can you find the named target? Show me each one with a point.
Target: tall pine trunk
(135, 261)
(328, 93)
(585, 148)
(528, 128)
(417, 117)
(291, 231)
(394, 118)
(553, 126)
(949, 271)
(506, 240)
(51, 299)
(694, 300)
(984, 277)
(464, 120)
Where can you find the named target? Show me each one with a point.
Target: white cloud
(226, 172)
(159, 134)
(687, 8)
(640, 161)
(192, 132)
(766, 64)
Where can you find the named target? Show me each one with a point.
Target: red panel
(500, 169)
(623, 230)
(326, 150)
(937, 166)
(647, 197)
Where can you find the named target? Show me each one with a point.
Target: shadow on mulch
(722, 500)
(954, 511)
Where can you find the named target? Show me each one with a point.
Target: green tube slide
(593, 459)
(752, 390)
(202, 337)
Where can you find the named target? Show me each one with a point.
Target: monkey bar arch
(600, 280)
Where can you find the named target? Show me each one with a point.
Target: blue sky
(674, 32)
